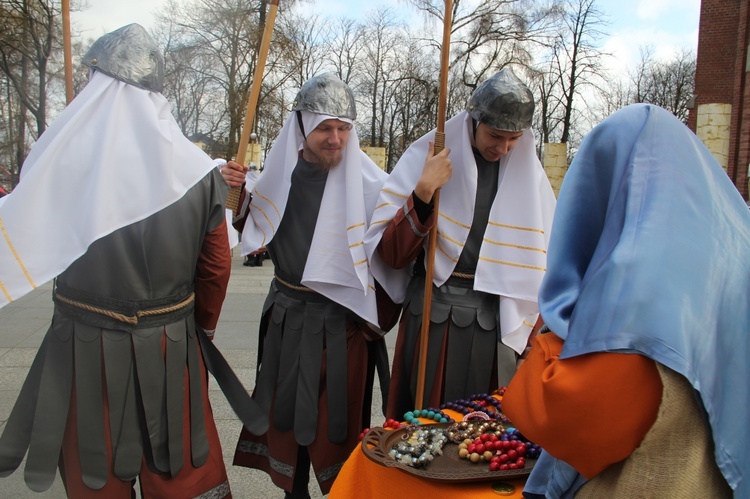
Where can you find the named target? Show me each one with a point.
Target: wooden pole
(432, 241)
(233, 198)
(67, 57)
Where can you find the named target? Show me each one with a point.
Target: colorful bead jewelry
(419, 446)
(480, 402)
(503, 447)
(392, 424)
(430, 413)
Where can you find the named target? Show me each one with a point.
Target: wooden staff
(233, 198)
(67, 57)
(432, 242)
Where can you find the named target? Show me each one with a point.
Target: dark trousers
(301, 476)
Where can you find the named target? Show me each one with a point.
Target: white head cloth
(337, 267)
(513, 255)
(114, 156)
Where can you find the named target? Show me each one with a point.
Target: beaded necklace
(430, 413)
(479, 404)
(419, 446)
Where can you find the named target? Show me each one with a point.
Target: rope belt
(128, 319)
(462, 275)
(292, 286)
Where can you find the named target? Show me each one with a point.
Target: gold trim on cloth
(266, 217)
(442, 234)
(396, 194)
(128, 319)
(515, 227)
(511, 264)
(18, 259)
(383, 221)
(440, 248)
(264, 198)
(517, 246)
(453, 220)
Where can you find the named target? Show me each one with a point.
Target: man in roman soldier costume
(494, 219)
(128, 216)
(310, 207)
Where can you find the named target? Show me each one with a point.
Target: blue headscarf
(650, 253)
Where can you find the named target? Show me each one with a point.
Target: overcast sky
(667, 25)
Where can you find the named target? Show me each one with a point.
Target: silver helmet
(503, 102)
(326, 94)
(128, 54)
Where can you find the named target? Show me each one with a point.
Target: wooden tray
(447, 467)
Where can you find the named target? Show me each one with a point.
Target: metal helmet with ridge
(326, 94)
(128, 54)
(503, 102)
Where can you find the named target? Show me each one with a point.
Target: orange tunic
(590, 411)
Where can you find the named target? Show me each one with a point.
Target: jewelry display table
(365, 478)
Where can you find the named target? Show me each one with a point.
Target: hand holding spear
(233, 198)
(432, 241)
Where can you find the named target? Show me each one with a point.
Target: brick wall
(721, 77)
(744, 143)
(717, 51)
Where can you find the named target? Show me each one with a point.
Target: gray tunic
(464, 331)
(301, 325)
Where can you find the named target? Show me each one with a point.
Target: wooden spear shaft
(67, 57)
(432, 241)
(233, 198)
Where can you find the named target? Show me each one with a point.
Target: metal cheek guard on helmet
(503, 102)
(128, 54)
(326, 94)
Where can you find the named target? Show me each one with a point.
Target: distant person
(639, 389)
(496, 207)
(319, 340)
(128, 215)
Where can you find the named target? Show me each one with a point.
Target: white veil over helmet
(513, 255)
(339, 269)
(113, 157)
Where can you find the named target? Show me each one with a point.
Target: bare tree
(346, 48)
(489, 34)
(667, 83)
(382, 39)
(414, 105)
(575, 65)
(222, 34)
(613, 95)
(547, 115)
(29, 35)
(297, 53)
(195, 94)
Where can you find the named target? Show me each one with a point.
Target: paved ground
(24, 322)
